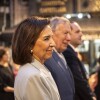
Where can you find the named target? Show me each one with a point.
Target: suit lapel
(58, 60)
(80, 63)
(64, 68)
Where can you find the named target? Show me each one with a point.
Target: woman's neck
(5, 64)
(40, 60)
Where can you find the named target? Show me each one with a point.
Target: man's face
(62, 36)
(76, 35)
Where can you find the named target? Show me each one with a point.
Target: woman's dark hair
(25, 37)
(2, 52)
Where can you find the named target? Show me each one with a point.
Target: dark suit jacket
(82, 89)
(62, 76)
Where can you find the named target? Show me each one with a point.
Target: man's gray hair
(56, 21)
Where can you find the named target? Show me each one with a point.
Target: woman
(32, 44)
(6, 77)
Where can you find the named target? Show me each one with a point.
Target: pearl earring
(31, 51)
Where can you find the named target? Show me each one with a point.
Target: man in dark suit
(82, 89)
(57, 64)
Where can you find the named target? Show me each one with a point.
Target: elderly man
(82, 89)
(57, 64)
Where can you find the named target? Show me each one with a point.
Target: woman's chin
(48, 57)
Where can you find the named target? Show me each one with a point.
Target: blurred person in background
(16, 68)
(32, 44)
(57, 64)
(6, 77)
(96, 63)
(82, 89)
(97, 88)
(93, 78)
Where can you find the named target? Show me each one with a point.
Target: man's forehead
(63, 26)
(75, 26)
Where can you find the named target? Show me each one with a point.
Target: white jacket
(34, 82)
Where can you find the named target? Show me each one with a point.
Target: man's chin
(64, 49)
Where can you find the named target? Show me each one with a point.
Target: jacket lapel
(80, 63)
(64, 68)
(41, 68)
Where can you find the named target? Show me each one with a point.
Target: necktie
(63, 59)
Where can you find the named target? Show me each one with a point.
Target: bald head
(75, 25)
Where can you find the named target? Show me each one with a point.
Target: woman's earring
(31, 51)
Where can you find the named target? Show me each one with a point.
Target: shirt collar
(57, 52)
(75, 49)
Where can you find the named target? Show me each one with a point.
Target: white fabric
(34, 82)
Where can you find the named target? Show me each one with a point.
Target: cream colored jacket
(34, 82)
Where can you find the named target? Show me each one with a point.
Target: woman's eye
(65, 33)
(46, 38)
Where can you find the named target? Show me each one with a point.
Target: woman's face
(5, 57)
(43, 47)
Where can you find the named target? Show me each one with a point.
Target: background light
(68, 16)
(88, 16)
(80, 15)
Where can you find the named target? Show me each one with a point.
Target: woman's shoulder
(27, 70)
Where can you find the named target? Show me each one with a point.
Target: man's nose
(68, 37)
(52, 43)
